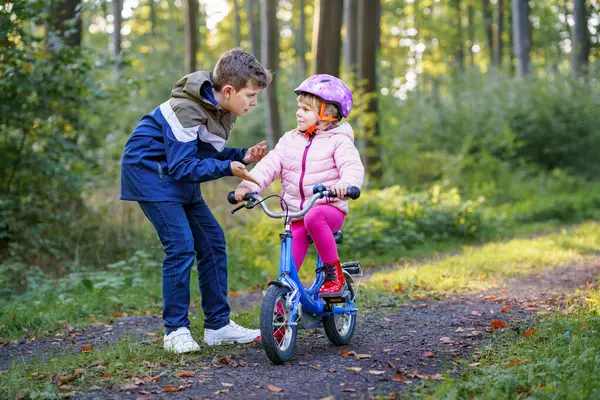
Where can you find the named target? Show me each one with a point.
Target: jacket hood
(342, 129)
(190, 86)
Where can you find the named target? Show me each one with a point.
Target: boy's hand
(340, 189)
(240, 192)
(256, 153)
(238, 169)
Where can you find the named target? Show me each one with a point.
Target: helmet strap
(321, 118)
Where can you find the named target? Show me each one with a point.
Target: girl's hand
(238, 169)
(340, 189)
(240, 192)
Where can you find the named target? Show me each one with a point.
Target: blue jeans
(188, 232)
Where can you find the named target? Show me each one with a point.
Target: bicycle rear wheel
(339, 328)
(278, 335)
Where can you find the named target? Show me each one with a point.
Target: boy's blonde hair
(315, 103)
(238, 68)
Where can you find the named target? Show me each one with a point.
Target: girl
(320, 150)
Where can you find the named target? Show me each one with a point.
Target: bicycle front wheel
(278, 334)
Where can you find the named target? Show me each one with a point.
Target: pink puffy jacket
(329, 157)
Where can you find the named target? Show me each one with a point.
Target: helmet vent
(324, 80)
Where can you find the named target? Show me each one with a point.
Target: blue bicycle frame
(308, 298)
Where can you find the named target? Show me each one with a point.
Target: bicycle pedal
(336, 298)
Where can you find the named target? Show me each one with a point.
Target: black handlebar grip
(353, 192)
(231, 198)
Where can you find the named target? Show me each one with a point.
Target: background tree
(270, 59)
(253, 15)
(64, 22)
(581, 41)
(191, 35)
(301, 38)
(498, 40)
(367, 57)
(351, 38)
(327, 39)
(521, 35)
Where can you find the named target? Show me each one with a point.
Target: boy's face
(240, 102)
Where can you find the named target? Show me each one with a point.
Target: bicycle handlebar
(319, 191)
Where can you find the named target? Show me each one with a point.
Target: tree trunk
(270, 59)
(117, 8)
(498, 42)
(238, 23)
(367, 58)
(459, 56)
(487, 27)
(351, 42)
(471, 33)
(191, 34)
(254, 27)
(152, 17)
(301, 39)
(64, 23)
(521, 37)
(327, 37)
(581, 41)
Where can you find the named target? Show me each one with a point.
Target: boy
(175, 147)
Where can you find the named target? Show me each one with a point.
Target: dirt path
(414, 341)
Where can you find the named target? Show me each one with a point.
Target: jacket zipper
(303, 171)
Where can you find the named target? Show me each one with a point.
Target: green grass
(116, 364)
(489, 265)
(561, 360)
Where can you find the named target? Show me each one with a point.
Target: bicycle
(287, 303)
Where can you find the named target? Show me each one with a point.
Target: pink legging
(321, 222)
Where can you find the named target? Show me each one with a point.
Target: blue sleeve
(185, 166)
(232, 154)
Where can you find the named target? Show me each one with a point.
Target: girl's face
(305, 116)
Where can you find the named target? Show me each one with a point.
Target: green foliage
(487, 134)
(394, 219)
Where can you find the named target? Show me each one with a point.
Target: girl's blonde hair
(315, 103)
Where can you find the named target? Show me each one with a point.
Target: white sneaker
(180, 341)
(229, 334)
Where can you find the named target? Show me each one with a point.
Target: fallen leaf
(498, 324)
(538, 276)
(345, 353)
(530, 332)
(332, 370)
(117, 314)
(171, 389)
(316, 366)
(475, 364)
(302, 364)
(476, 313)
(390, 365)
(222, 391)
(428, 354)
(386, 350)
(87, 348)
(226, 384)
(348, 390)
(354, 369)
(436, 377)
(459, 329)
(513, 363)
(128, 386)
(375, 372)
(274, 389)
(503, 290)
(64, 388)
(446, 340)
(185, 374)
(106, 375)
(386, 319)
(66, 379)
(79, 371)
(361, 356)
(504, 309)
(398, 378)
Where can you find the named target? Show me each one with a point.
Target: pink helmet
(330, 89)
